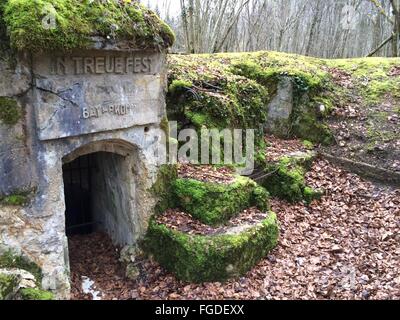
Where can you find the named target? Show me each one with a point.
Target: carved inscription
(117, 109)
(101, 65)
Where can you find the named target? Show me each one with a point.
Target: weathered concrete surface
(280, 109)
(14, 80)
(15, 168)
(54, 130)
(96, 91)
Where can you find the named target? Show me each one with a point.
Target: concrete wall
(114, 196)
(16, 144)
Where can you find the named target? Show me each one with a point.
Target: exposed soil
(345, 246)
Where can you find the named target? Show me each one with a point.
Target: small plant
(35, 294)
(308, 145)
(10, 111)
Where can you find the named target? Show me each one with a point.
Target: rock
(128, 254)
(365, 294)
(132, 272)
(280, 109)
(321, 110)
(337, 249)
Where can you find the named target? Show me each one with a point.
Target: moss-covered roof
(38, 25)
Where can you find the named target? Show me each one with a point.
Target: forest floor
(344, 246)
(367, 129)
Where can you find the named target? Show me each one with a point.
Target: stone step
(216, 203)
(285, 177)
(212, 255)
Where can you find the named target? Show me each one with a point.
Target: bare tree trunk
(396, 28)
(191, 27)
(185, 26)
(316, 19)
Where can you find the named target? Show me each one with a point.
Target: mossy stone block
(70, 24)
(285, 179)
(196, 258)
(214, 203)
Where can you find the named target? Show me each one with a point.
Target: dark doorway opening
(78, 195)
(99, 196)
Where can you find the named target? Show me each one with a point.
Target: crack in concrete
(58, 94)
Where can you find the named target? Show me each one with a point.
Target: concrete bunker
(105, 126)
(72, 95)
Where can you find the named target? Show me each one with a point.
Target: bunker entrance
(97, 191)
(78, 195)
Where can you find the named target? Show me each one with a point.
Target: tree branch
(380, 46)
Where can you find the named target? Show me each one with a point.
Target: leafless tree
(323, 28)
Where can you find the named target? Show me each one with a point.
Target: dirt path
(345, 246)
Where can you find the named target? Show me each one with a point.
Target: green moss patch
(9, 260)
(35, 294)
(307, 125)
(37, 25)
(10, 111)
(371, 77)
(163, 186)
(14, 200)
(196, 258)
(285, 180)
(214, 203)
(7, 286)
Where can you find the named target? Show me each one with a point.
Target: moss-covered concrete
(285, 179)
(10, 111)
(214, 203)
(233, 90)
(162, 188)
(196, 258)
(37, 25)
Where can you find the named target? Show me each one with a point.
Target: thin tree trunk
(185, 25)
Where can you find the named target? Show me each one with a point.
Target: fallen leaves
(180, 221)
(345, 246)
(206, 173)
(341, 77)
(277, 148)
(394, 72)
